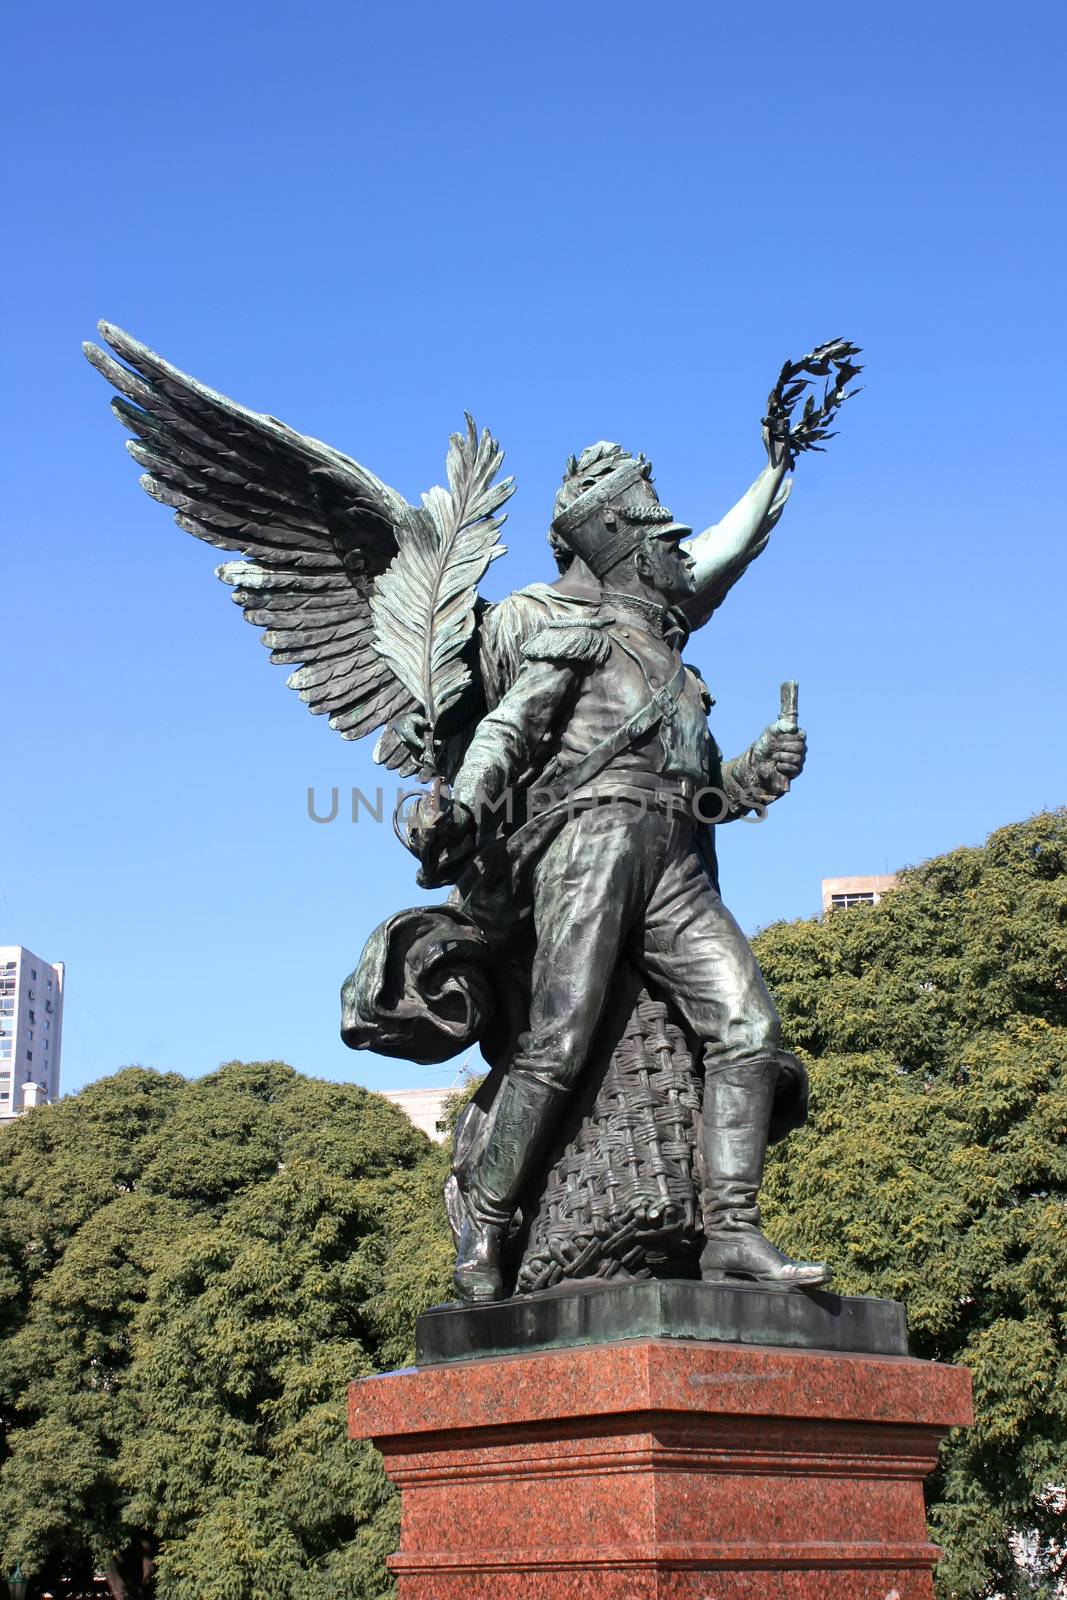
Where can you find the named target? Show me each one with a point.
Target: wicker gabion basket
(622, 1194)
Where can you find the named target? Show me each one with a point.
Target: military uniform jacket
(578, 679)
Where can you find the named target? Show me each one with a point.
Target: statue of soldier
(610, 729)
(569, 758)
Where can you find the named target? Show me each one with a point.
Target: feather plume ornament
(423, 605)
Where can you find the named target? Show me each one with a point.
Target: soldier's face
(670, 569)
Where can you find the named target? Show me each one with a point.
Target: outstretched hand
(776, 441)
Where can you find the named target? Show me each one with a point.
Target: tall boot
(523, 1122)
(736, 1119)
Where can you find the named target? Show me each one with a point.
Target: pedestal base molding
(663, 1470)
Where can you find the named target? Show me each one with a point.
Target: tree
(193, 1272)
(77, 1241)
(934, 1168)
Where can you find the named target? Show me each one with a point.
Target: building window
(29, 1055)
(33, 1017)
(844, 902)
(49, 983)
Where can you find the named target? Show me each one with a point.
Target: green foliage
(934, 1169)
(190, 1274)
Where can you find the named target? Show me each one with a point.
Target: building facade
(31, 1029)
(425, 1107)
(839, 894)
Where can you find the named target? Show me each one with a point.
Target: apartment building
(31, 1029)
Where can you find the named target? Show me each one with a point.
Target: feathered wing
(316, 530)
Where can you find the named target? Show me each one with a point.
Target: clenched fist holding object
(778, 754)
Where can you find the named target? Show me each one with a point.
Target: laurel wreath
(832, 362)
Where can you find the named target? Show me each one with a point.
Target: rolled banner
(787, 714)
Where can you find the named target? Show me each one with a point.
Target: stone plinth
(810, 1319)
(663, 1470)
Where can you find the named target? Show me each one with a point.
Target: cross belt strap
(642, 722)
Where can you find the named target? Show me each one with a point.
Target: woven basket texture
(622, 1193)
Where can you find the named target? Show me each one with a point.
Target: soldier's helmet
(607, 506)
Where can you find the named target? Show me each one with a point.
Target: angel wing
(318, 532)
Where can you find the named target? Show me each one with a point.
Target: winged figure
(608, 1138)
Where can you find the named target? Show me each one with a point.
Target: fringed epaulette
(578, 641)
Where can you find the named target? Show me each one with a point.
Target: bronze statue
(636, 1069)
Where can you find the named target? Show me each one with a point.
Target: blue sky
(576, 222)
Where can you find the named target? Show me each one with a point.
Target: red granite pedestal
(663, 1470)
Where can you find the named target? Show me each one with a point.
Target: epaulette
(577, 640)
(706, 696)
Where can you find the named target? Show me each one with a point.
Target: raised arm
(722, 552)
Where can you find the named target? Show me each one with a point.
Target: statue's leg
(589, 890)
(738, 1101)
(696, 951)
